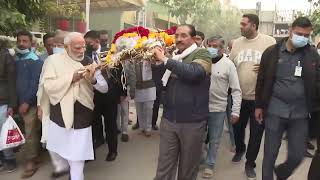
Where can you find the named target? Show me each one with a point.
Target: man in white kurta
(68, 86)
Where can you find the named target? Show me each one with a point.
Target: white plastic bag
(10, 135)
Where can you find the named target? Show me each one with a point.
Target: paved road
(137, 160)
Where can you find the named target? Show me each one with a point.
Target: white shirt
(224, 76)
(96, 53)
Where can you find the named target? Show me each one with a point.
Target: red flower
(137, 29)
(172, 30)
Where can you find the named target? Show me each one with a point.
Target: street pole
(87, 14)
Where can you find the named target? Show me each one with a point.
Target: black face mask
(89, 48)
(104, 43)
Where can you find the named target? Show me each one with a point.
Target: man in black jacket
(8, 101)
(186, 108)
(286, 94)
(93, 49)
(106, 104)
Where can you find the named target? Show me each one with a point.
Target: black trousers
(107, 107)
(156, 106)
(314, 173)
(97, 126)
(256, 132)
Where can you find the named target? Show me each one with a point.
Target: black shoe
(124, 138)
(135, 126)
(308, 155)
(111, 156)
(155, 127)
(1, 166)
(129, 122)
(57, 175)
(11, 165)
(276, 171)
(98, 143)
(237, 157)
(310, 146)
(251, 174)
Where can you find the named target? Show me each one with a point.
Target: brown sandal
(30, 170)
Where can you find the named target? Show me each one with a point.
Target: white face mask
(56, 50)
(22, 51)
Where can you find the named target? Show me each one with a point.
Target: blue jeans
(215, 129)
(228, 121)
(6, 154)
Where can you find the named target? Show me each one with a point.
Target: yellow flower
(169, 41)
(130, 35)
(152, 35)
(113, 48)
(108, 58)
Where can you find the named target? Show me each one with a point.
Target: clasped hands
(87, 73)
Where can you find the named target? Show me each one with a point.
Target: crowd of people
(70, 106)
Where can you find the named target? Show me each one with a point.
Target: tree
(315, 19)
(207, 16)
(20, 14)
(191, 9)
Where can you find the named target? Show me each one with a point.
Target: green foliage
(315, 19)
(20, 14)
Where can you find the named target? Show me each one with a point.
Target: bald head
(75, 45)
(59, 37)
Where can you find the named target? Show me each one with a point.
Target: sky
(270, 4)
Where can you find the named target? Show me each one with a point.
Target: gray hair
(70, 36)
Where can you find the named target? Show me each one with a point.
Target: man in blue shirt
(28, 68)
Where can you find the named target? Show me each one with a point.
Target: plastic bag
(10, 135)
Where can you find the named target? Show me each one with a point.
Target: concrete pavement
(137, 160)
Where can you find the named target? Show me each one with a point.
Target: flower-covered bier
(135, 43)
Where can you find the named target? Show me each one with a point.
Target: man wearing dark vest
(68, 80)
(186, 109)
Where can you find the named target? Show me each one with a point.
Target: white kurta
(148, 94)
(71, 144)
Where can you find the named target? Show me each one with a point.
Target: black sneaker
(237, 157)
(111, 156)
(1, 166)
(124, 138)
(11, 166)
(155, 128)
(251, 174)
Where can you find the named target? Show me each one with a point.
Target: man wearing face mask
(48, 42)
(246, 55)
(93, 45)
(223, 76)
(106, 104)
(104, 37)
(286, 95)
(28, 67)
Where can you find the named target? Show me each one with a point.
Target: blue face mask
(22, 51)
(56, 50)
(214, 52)
(299, 41)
